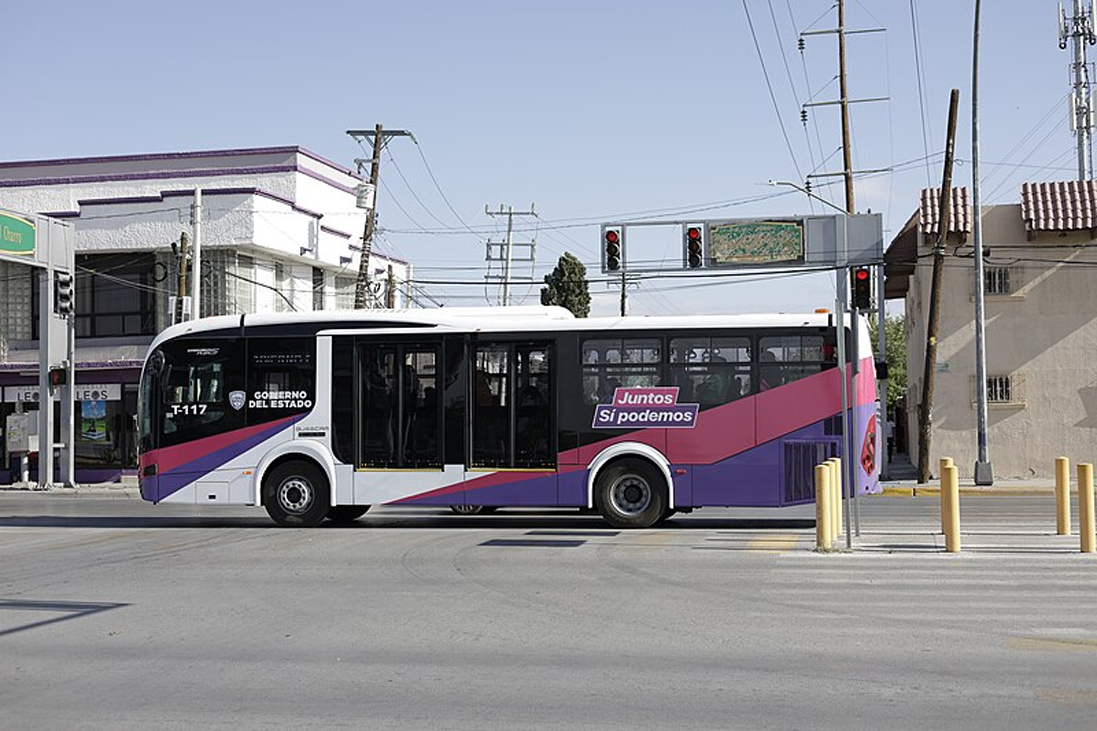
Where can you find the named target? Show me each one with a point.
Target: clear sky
(594, 110)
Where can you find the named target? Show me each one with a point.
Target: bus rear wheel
(347, 513)
(631, 493)
(296, 494)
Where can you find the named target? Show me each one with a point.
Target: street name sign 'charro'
(17, 235)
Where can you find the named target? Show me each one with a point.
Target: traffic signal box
(62, 293)
(861, 284)
(613, 247)
(693, 240)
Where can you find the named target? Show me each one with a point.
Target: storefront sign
(17, 235)
(80, 392)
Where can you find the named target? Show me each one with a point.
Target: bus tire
(631, 493)
(343, 514)
(296, 494)
(473, 509)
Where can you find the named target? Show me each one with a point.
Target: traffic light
(613, 247)
(862, 288)
(62, 293)
(695, 257)
(58, 376)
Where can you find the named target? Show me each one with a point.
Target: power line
(921, 88)
(773, 98)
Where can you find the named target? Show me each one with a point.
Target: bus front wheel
(347, 513)
(296, 494)
(631, 493)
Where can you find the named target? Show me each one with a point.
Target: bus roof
(484, 319)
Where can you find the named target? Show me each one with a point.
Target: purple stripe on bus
(175, 480)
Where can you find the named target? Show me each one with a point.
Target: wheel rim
(631, 494)
(467, 509)
(295, 495)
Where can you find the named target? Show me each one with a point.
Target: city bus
(319, 416)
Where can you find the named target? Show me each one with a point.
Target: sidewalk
(902, 480)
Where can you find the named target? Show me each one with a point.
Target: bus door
(512, 424)
(399, 421)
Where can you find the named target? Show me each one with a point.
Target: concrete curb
(914, 490)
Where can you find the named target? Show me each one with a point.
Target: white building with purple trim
(280, 232)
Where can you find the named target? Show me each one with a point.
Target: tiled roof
(1059, 206)
(959, 211)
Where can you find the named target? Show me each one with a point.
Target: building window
(996, 280)
(1000, 389)
(317, 288)
(344, 292)
(245, 283)
(115, 295)
(283, 286)
(1005, 390)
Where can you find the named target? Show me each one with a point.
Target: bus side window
(281, 378)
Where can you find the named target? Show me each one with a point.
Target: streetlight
(806, 192)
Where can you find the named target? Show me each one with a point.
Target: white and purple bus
(321, 415)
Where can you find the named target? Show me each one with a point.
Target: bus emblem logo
(236, 399)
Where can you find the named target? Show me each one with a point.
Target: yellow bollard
(836, 496)
(950, 495)
(823, 534)
(1062, 496)
(1085, 506)
(946, 462)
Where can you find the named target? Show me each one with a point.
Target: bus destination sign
(739, 243)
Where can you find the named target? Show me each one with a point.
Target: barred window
(996, 280)
(1000, 390)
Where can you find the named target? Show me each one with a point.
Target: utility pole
(380, 139)
(624, 297)
(930, 367)
(196, 298)
(849, 464)
(843, 102)
(1079, 29)
(181, 283)
(506, 254)
(847, 153)
(390, 291)
(984, 471)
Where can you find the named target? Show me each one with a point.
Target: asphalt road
(119, 614)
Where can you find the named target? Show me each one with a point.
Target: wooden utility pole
(380, 137)
(847, 153)
(624, 297)
(929, 370)
(390, 291)
(361, 286)
(181, 278)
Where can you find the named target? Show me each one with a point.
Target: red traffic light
(862, 288)
(612, 249)
(693, 234)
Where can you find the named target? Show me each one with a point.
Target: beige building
(1041, 328)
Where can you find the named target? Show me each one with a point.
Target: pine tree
(567, 286)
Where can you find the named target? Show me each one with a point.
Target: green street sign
(735, 243)
(17, 235)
